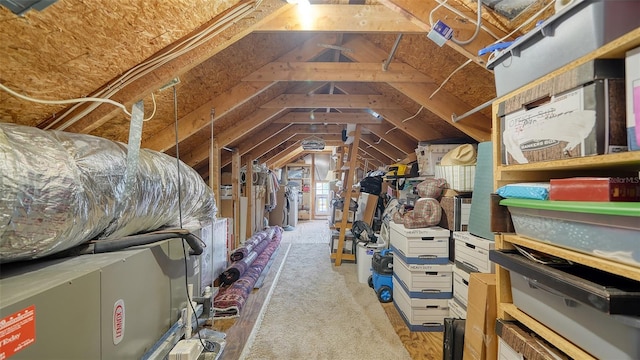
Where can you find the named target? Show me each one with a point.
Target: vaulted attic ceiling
(265, 78)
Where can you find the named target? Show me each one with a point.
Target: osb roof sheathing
(71, 60)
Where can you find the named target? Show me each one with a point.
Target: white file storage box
(472, 252)
(420, 314)
(426, 281)
(420, 246)
(456, 309)
(461, 285)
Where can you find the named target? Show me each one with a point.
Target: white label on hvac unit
(118, 321)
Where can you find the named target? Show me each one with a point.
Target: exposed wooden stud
(235, 196)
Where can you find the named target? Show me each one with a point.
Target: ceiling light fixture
(313, 143)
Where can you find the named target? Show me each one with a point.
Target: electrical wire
(475, 34)
(478, 22)
(78, 100)
(63, 102)
(449, 77)
(414, 115)
(144, 68)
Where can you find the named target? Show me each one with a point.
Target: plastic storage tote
(608, 230)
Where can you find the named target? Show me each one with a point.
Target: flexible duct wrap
(58, 190)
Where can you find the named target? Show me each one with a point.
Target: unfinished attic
(340, 179)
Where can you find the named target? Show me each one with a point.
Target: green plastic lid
(590, 207)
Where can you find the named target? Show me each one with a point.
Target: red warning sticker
(17, 331)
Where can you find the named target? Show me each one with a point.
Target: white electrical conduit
(78, 100)
(146, 67)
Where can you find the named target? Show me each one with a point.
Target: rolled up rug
(237, 269)
(244, 250)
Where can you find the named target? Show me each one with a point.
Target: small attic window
(509, 8)
(19, 7)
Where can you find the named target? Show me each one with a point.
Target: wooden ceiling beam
(314, 101)
(336, 71)
(256, 118)
(229, 100)
(341, 18)
(323, 117)
(373, 152)
(285, 156)
(395, 117)
(277, 137)
(370, 159)
(443, 104)
(415, 129)
(382, 146)
(272, 143)
(201, 152)
(395, 138)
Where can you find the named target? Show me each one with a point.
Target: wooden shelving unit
(601, 165)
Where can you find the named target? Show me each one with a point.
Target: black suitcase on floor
(453, 342)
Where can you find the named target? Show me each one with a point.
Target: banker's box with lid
(608, 230)
(573, 32)
(457, 309)
(426, 281)
(588, 119)
(420, 314)
(461, 285)
(472, 252)
(428, 245)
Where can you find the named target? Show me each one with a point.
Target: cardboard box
(480, 339)
(455, 212)
(429, 155)
(588, 120)
(632, 67)
(517, 343)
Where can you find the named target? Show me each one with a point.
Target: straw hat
(462, 155)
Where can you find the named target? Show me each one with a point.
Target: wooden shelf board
(623, 159)
(551, 336)
(610, 266)
(350, 257)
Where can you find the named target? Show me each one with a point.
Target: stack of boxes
(422, 275)
(471, 255)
